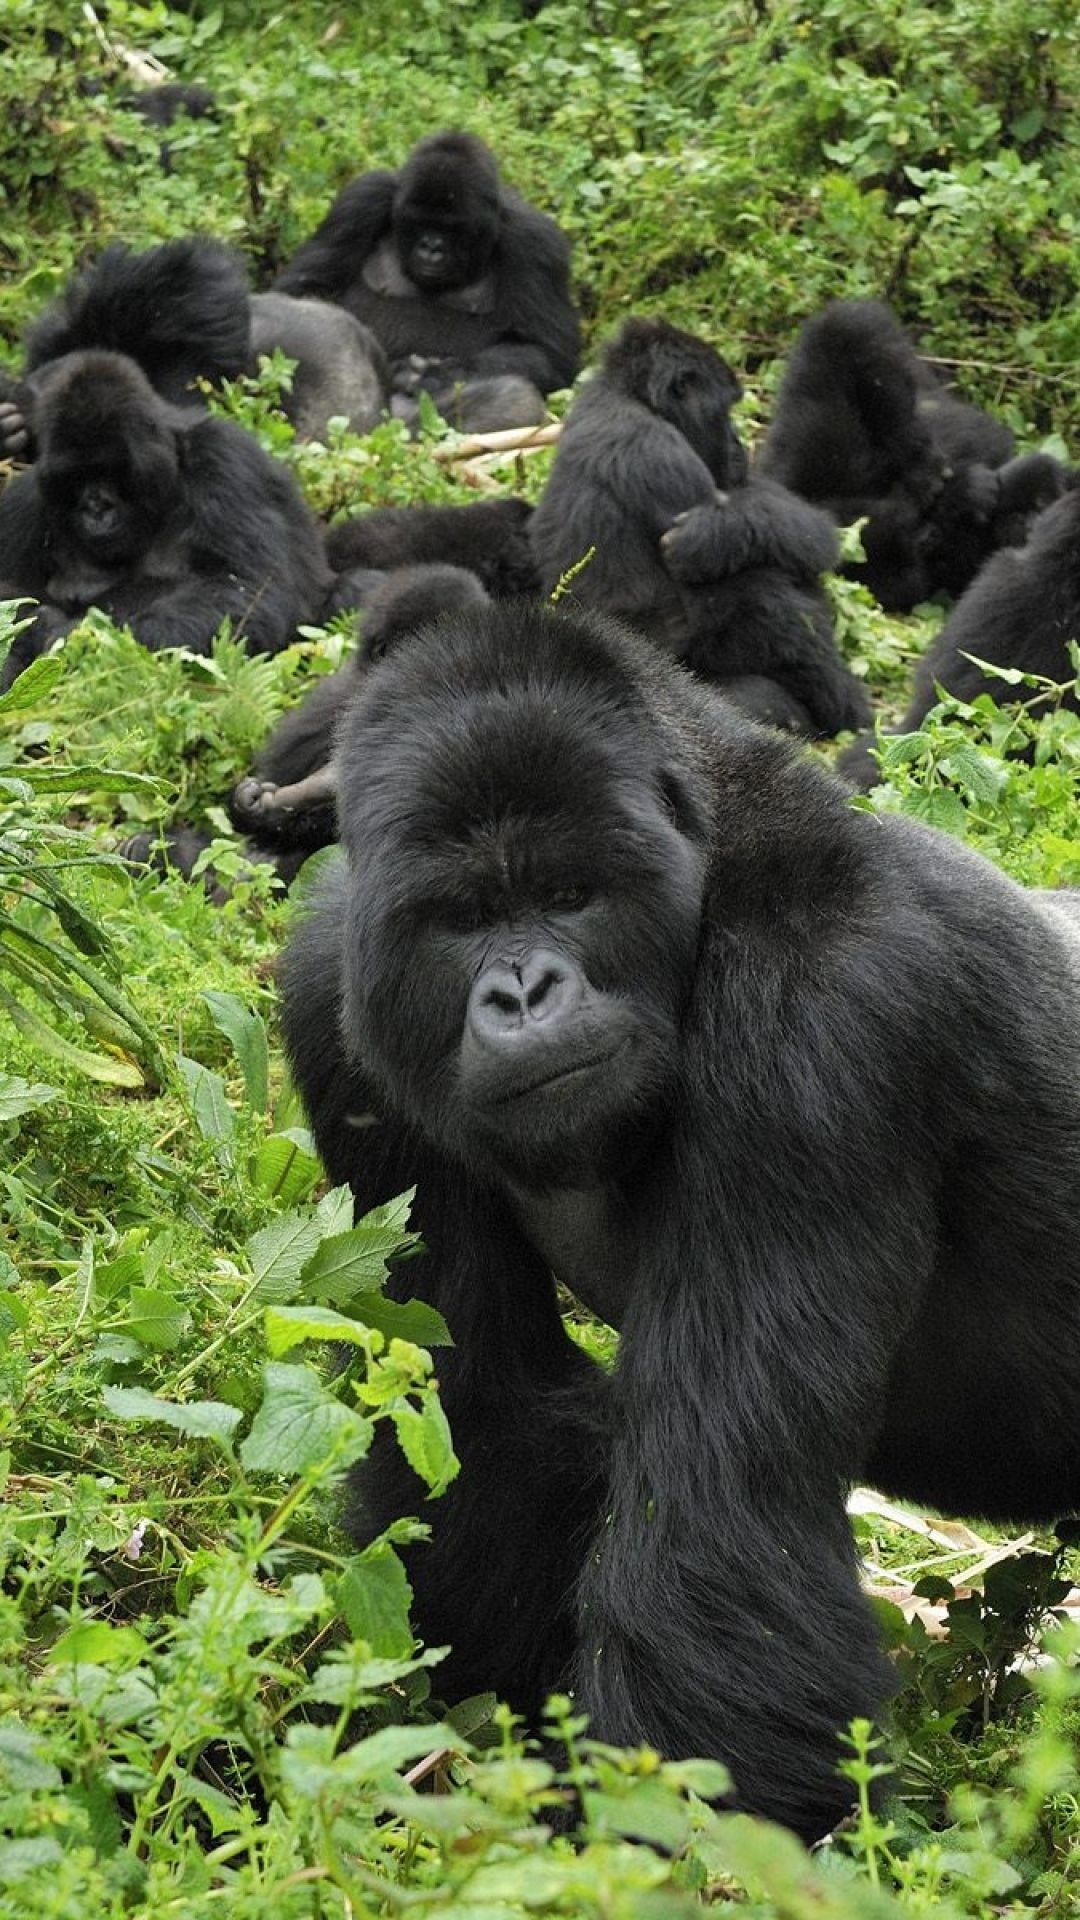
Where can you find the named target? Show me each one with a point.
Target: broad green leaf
(283, 1169)
(424, 1437)
(22, 1096)
(156, 1320)
(202, 1419)
(33, 683)
(19, 1859)
(279, 1254)
(94, 1643)
(301, 1426)
(246, 1034)
(288, 1327)
(336, 1208)
(354, 1262)
(403, 1319)
(374, 1595)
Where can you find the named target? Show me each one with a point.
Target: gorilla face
(108, 466)
(524, 911)
(446, 213)
(686, 382)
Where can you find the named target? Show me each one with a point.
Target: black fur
(788, 1091)
(864, 428)
(168, 520)
(726, 574)
(1021, 611)
(280, 816)
(458, 277)
(489, 538)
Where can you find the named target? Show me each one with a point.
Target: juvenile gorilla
(864, 428)
(1022, 611)
(651, 473)
(168, 520)
(465, 284)
(786, 1092)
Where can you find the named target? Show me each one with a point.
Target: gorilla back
(787, 1092)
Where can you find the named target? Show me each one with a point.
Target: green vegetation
(210, 1705)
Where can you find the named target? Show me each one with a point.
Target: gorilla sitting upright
(864, 428)
(786, 1091)
(465, 284)
(168, 520)
(723, 572)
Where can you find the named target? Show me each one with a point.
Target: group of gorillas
(608, 969)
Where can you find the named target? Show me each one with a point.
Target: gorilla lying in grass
(785, 1091)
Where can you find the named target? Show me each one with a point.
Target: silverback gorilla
(168, 520)
(785, 1091)
(465, 285)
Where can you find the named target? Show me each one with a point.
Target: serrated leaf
(246, 1034)
(301, 1426)
(345, 1264)
(20, 1858)
(203, 1419)
(288, 1327)
(156, 1320)
(33, 683)
(335, 1209)
(347, 1677)
(279, 1253)
(375, 1596)
(410, 1320)
(424, 1437)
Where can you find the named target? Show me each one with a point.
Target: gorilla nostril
(540, 995)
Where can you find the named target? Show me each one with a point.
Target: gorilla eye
(569, 899)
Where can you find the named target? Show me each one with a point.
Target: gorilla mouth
(562, 1075)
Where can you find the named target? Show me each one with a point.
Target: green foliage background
(208, 1703)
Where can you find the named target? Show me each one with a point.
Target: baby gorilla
(722, 571)
(786, 1091)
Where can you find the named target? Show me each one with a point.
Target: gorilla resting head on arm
(785, 1091)
(726, 574)
(466, 286)
(168, 520)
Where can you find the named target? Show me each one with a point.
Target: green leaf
(23, 1765)
(279, 1254)
(403, 1320)
(288, 1327)
(96, 1066)
(22, 1096)
(202, 1419)
(246, 1034)
(156, 1320)
(374, 1595)
(283, 1169)
(94, 1643)
(33, 683)
(424, 1437)
(300, 1426)
(213, 1115)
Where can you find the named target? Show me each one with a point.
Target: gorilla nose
(517, 998)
